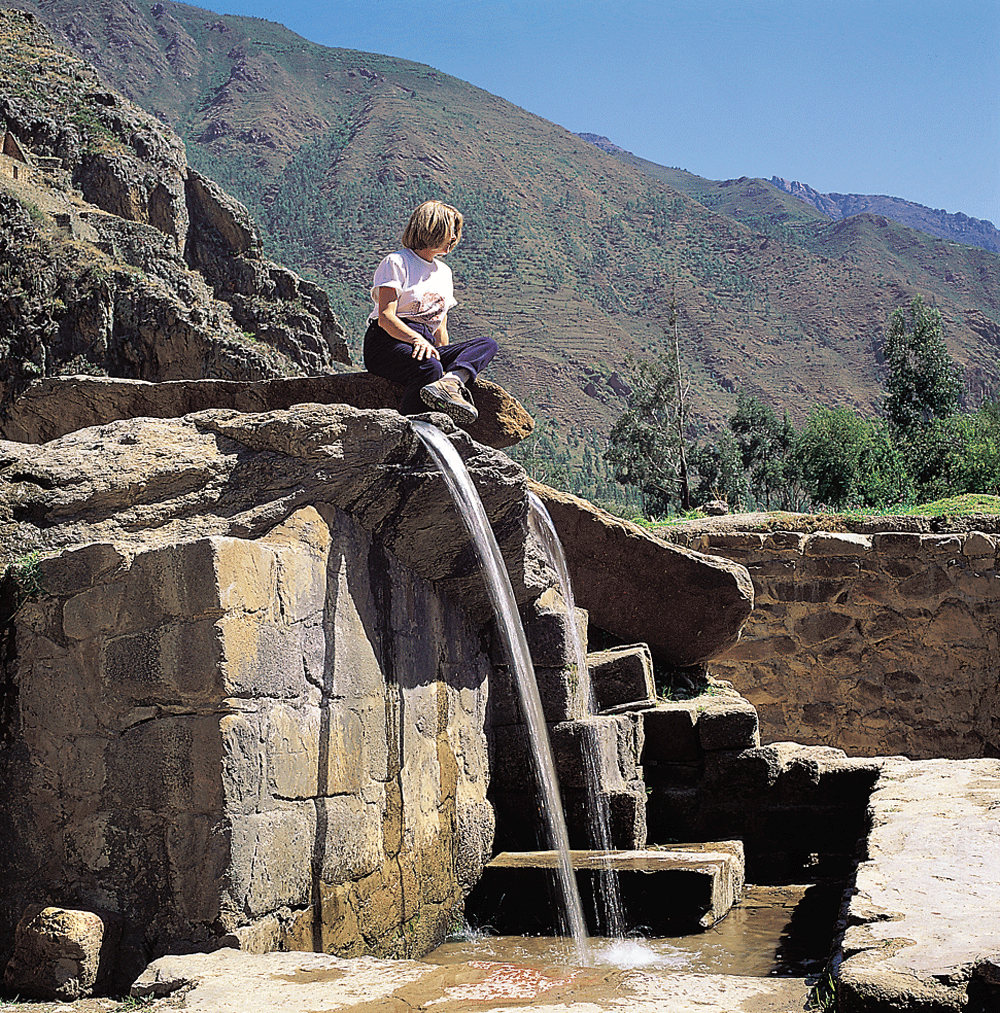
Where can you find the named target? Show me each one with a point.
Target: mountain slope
(571, 255)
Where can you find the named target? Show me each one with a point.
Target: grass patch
(959, 506)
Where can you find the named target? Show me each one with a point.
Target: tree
(718, 470)
(643, 445)
(923, 382)
(958, 454)
(765, 443)
(850, 461)
(680, 413)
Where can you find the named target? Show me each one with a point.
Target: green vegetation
(643, 447)
(20, 583)
(923, 383)
(926, 449)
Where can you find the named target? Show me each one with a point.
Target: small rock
(58, 952)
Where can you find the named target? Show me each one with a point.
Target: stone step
(668, 891)
(622, 678)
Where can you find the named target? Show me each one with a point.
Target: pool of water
(773, 931)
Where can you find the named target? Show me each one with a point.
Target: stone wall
(879, 644)
(275, 744)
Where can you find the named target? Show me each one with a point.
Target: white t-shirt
(426, 291)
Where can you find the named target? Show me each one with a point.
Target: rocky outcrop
(118, 259)
(687, 606)
(275, 305)
(245, 682)
(56, 406)
(877, 643)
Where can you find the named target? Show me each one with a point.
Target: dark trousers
(385, 356)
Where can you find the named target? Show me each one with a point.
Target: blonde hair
(432, 225)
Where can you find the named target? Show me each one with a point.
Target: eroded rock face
(687, 606)
(55, 406)
(118, 259)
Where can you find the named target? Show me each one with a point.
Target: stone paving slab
(230, 981)
(924, 922)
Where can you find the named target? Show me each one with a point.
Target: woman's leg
(473, 356)
(385, 356)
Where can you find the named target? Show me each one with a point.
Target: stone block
(77, 570)
(665, 891)
(170, 583)
(672, 774)
(728, 725)
(272, 861)
(61, 954)
(897, 543)
(586, 753)
(741, 540)
(819, 627)
(243, 761)
(826, 543)
(942, 545)
(835, 568)
(171, 764)
(564, 696)
(979, 544)
(93, 612)
(671, 735)
(315, 751)
(784, 541)
(631, 739)
(246, 575)
(928, 583)
(554, 639)
(260, 657)
(348, 843)
(176, 663)
(621, 677)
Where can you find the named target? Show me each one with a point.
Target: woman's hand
(423, 349)
(391, 324)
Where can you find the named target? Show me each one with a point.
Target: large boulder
(52, 407)
(689, 607)
(61, 953)
(246, 655)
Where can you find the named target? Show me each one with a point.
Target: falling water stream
(607, 897)
(473, 515)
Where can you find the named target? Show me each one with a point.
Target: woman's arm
(441, 334)
(392, 324)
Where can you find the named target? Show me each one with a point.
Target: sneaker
(452, 397)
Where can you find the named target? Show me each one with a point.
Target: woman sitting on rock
(407, 336)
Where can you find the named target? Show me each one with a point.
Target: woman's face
(438, 251)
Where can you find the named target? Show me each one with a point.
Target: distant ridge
(599, 141)
(959, 228)
(571, 254)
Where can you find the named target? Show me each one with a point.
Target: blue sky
(897, 97)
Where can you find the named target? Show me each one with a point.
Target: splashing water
(607, 896)
(473, 514)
